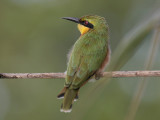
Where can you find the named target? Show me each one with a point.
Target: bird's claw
(98, 76)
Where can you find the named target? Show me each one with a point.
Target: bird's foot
(98, 76)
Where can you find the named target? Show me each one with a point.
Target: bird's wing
(82, 66)
(72, 67)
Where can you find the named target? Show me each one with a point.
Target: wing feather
(86, 58)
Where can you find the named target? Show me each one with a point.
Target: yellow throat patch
(83, 29)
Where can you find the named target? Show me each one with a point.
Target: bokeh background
(33, 38)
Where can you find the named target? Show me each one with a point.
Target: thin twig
(62, 75)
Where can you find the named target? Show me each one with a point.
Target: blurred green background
(33, 38)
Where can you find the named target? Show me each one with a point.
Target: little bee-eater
(88, 57)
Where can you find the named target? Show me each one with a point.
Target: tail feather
(76, 98)
(61, 94)
(66, 111)
(69, 96)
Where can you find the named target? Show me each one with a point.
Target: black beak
(73, 19)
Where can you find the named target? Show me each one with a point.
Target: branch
(114, 74)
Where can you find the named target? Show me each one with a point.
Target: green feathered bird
(88, 57)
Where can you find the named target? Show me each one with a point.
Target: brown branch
(62, 75)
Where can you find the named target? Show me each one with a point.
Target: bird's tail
(69, 96)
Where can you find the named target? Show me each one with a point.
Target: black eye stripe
(87, 24)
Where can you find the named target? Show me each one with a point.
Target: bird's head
(87, 23)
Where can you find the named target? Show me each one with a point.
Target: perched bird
(88, 57)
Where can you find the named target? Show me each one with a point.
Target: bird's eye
(85, 22)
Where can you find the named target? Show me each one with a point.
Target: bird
(87, 59)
